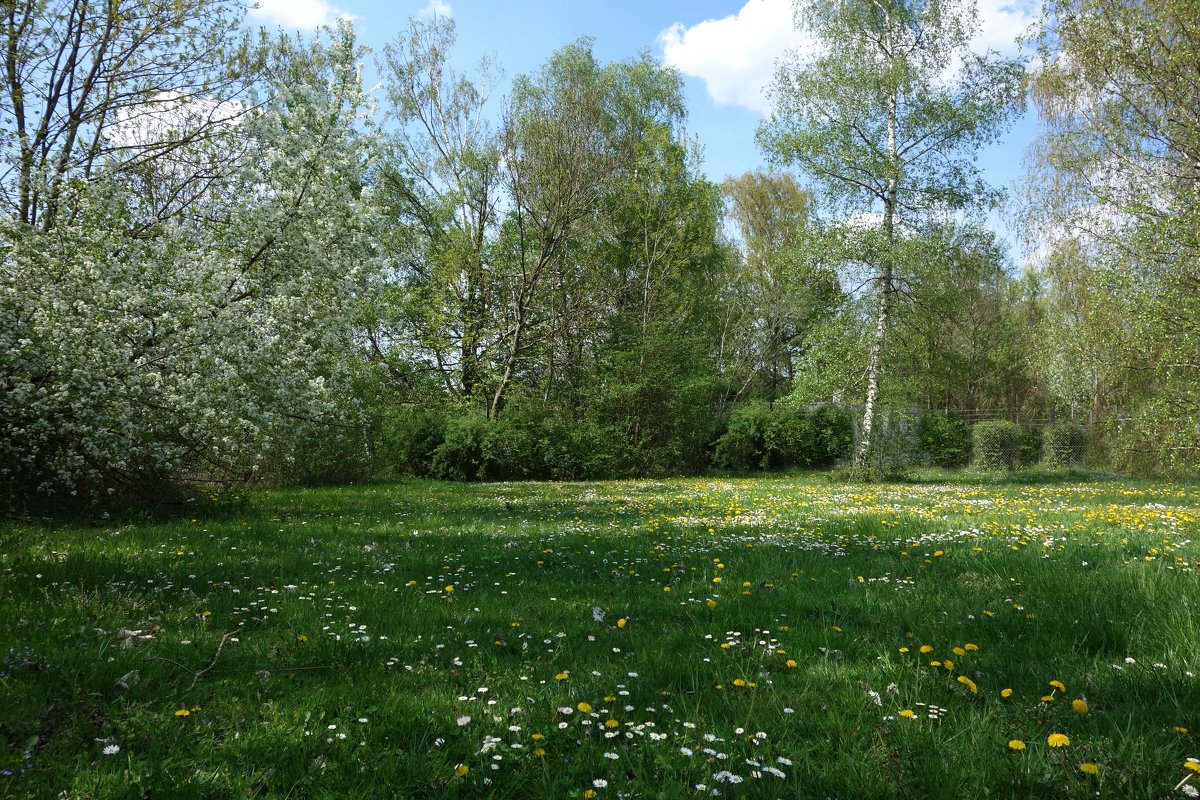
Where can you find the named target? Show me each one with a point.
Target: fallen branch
(196, 675)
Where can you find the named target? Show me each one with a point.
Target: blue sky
(725, 49)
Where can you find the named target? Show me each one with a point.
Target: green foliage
(460, 456)
(945, 439)
(994, 444)
(742, 446)
(411, 433)
(759, 437)
(1064, 444)
(1028, 446)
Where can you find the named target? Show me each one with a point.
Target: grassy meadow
(779, 637)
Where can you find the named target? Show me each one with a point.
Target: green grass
(383, 632)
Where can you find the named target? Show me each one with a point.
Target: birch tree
(886, 118)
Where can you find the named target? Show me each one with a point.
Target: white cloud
(436, 8)
(735, 55)
(297, 14)
(1001, 22)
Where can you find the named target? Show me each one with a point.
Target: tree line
(224, 260)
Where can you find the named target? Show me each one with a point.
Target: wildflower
(1080, 705)
(1088, 768)
(600, 783)
(463, 720)
(1190, 791)
(539, 752)
(1179, 729)
(183, 712)
(461, 770)
(111, 749)
(908, 712)
(590, 793)
(302, 638)
(584, 708)
(1016, 744)
(562, 676)
(903, 649)
(1047, 698)
(449, 590)
(1192, 764)
(970, 684)
(1058, 685)
(739, 682)
(958, 651)
(711, 603)
(537, 737)
(611, 723)
(1006, 692)
(926, 648)
(970, 647)
(1058, 740)
(612, 756)
(791, 663)
(622, 622)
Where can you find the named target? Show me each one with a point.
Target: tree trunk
(886, 275)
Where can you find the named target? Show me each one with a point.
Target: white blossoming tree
(175, 302)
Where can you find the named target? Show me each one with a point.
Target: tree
(1115, 185)
(782, 290)
(876, 121)
(145, 349)
(114, 86)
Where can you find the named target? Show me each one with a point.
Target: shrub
(789, 439)
(944, 439)
(410, 435)
(833, 436)
(743, 445)
(1029, 446)
(994, 444)
(1064, 444)
(510, 452)
(460, 456)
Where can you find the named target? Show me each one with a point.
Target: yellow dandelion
(461, 770)
(537, 737)
(1047, 698)
(738, 682)
(589, 794)
(302, 638)
(1088, 768)
(958, 651)
(539, 752)
(926, 648)
(1179, 729)
(711, 603)
(908, 712)
(791, 663)
(1006, 692)
(970, 684)
(611, 723)
(717, 579)
(1058, 685)
(1016, 744)
(449, 590)
(562, 676)
(183, 712)
(622, 622)
(903, 649)
(1080, 705)
(584, 708)
(970, 647)
(1192, 764)
(1058, 740)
